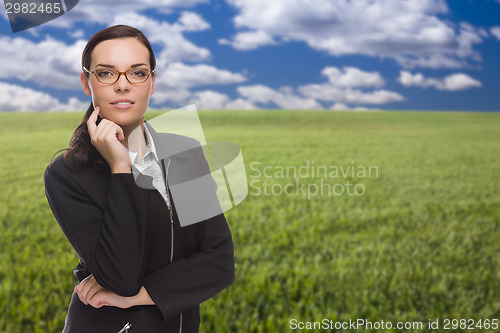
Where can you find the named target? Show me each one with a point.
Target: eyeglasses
(110, 75)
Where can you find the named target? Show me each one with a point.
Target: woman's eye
(104, 73)
(140, 73)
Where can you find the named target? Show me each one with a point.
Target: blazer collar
(162, 147)
(169, 145)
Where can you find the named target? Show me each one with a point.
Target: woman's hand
(87, 289)
(106, 138)
(91, 292)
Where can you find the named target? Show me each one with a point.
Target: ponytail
(81, 151)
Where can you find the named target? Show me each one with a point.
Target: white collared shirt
(150, 165)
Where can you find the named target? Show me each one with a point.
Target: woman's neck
(135, 138)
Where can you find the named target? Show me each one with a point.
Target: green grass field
(421, 242)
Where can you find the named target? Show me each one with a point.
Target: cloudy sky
(279, 54)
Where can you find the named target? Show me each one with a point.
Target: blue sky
(280, 54)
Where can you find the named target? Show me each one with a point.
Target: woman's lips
(122, 104)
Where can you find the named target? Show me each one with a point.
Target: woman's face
(122, 102)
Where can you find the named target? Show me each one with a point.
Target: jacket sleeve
(190, 281)
(108, 237)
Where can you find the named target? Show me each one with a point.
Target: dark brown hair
(81, 151)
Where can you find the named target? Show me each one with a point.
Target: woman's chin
(125, 119)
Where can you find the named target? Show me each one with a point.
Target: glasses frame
(119, 74)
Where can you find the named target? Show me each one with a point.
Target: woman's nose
(122, 83)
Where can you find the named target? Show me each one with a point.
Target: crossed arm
(91, 292)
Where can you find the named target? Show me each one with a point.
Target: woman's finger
(106, 138)
(115, 132)
(79, 286)
(106, 131)
(100, 299)
(91, 288)
(119, 134)
(82, 299)
(83, 288)
(102, 132)
(94, 289)
(109, 131)
(95, 302)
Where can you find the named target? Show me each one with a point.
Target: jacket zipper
(125, 328)
(170, 209)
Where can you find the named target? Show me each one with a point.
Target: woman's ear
(85, 84)
(153, 80)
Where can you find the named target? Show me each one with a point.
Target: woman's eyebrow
(112, 66)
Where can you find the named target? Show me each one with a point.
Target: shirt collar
(151, 144)
(150, 148)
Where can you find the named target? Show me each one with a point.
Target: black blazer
(122, 235)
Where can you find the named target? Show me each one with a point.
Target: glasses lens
(106, 75)
(137, 75)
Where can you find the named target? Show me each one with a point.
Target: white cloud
(434, 61)
(48, 63)
(174, 81)
(204, 100)
(345, 107)
(453, 82)
(99, 11)
(341, 85)
(240, 104)
(173, 84)
(175, 47)
(407, 79)
(74, 104)
(411, 32)
(77, 34)
(460, 81)
(352, 77)
(339, 106)
(283, 99)
(340, 89)
(328, 92)
(169, 35)
(193, 22)
(17, 98)
(214, 100)
(249, 40)
(179, 75)
(495, 31)
(209, 100)
(169, 95)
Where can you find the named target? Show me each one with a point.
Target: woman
(140, 269)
